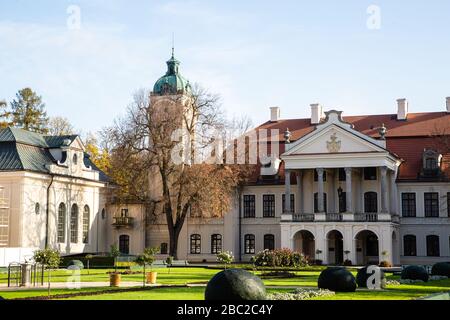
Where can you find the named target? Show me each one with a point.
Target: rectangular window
(249, 206)
(249, 244)
(124, 213)
(433, 246)
(370, 173)
(196, 241)
(448, 204)
(269, 242)
(268, 205)
(284, 203)
(408, 204)
(431, 200)
(216, 243)
(342, 175)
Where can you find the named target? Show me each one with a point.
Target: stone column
(300, 191)
(394, 195)
(320, 190)
(287, 193)
(384, 195)
(348, 190)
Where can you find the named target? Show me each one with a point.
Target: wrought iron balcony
(123, 221)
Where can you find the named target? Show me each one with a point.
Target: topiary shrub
(337, 279)
(279, 258)
(385, 264)
(77, 263)
(235, 284)
(362, 276)
(415, 273)
(441, 269)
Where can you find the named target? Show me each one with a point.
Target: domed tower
(174, 91)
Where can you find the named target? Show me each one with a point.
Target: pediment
(334, 136)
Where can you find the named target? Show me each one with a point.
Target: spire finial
(173, 44)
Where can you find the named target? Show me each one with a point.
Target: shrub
(225, 257)
(337, 279)
(77, 263)
(415, 273)
(441, 269)
(347, 262)
(362, 276)
(280, 258)
(235, 284)
(385, 264)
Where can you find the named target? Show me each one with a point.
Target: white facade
(369, 224)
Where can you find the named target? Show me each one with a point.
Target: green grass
(182, 276)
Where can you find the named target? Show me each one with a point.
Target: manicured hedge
(441, 269)
(235, 284)
(95, 262)
(279, 258)
(337, 279)
(415, 273)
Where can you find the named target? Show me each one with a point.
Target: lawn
(193, 275)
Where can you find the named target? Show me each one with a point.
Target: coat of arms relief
(333, 145)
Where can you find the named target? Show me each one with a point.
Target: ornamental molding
(333, 145)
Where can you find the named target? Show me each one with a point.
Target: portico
(344, 183)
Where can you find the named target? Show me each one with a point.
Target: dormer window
(431, 160)
(431, 164)
(75, 159)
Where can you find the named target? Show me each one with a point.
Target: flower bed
(300, 294)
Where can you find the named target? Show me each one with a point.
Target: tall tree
(28, 111)
(59, 126)
(4, 115)
(144, 145)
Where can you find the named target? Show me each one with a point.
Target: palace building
(362, 188)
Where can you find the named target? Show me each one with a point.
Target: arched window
(433, 246)
(216, 243)
(103, 213)
(370, 202)
(196, 244)
(37, 208)
(163, 248)
(62, 223)
(249, 244)
(316, 203)
(269, 242)
(124, 244)
(75, 159)
(86, 224)
(409, 245)
(74, 224)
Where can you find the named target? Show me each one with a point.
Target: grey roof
(24, 150)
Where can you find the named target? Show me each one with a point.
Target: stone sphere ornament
(337, 279)
(415, 273)
(235, 284)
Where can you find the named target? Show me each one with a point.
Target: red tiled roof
(407, 139)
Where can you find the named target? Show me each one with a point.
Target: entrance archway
(335, 247)
(304, 243)
(367, 248)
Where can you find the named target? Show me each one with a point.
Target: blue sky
(255, 54)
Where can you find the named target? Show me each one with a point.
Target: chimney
(274, 114)
(402, 112)
(448, 104)
(316, 113)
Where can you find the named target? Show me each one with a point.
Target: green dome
(172, 82)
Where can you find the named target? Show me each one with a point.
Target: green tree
(114, 252)
(50, 259)
(146, 258)
(4, 115)
(28, 111)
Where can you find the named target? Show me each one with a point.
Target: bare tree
(59, 126)
(143, 143)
